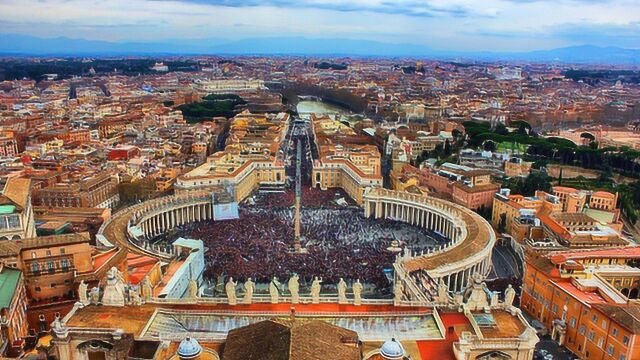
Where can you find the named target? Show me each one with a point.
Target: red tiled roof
(100, 259)
(555, 227)
(443, 349)
(137, 274)
(586, 297)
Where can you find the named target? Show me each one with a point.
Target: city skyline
(459, 25)
(315, 179)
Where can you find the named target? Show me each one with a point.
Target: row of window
(583, 329)
(10, 222)
(51, 266)
(48, 253)
(52, 285)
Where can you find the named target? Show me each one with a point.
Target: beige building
(250, 159)
(561, 221)
(245, 173)
(351, 168)
(16, 213)
(50, 263)
(345, 160)
(517, 167)
(97, 190)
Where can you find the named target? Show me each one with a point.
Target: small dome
(189, 349)
(392, 350)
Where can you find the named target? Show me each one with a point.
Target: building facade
(16, 213)
(587, 300)
(99, 190)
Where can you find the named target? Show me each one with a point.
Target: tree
(489, 146)
(536, 181)
(501, 130)
(502, 224)
(447, 148)
(485, 212)
(456, 134)
(437, 151)
(560, 176)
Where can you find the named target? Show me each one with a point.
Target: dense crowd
(340, 242)
(311, 198)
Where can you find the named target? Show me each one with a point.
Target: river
(320, 108)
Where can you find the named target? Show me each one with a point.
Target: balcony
(46, 271)
(49, 265)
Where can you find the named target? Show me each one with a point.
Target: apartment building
(16, 213)
(96, 190)
(588, 300)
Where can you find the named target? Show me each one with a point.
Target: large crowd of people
(339, 241)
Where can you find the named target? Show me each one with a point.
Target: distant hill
(577, 54)
(11, 44)
(30, 45)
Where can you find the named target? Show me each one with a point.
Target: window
(614, 332)
(62, 251)
(38, 289)
(622, 357)
(594, 318)
(33, 255)
(572, 322)
(48, 252)
(13, 221)
(604, 324)
(555, 308)
(625, 340)
(591, 335)
(583, 329)
(600, 342)
(610, 350)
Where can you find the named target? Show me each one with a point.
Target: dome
(189, 349)
(392, 350)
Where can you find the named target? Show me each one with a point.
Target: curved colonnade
(468, 252)
(132, 227)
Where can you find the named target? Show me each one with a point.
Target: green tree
(489, 146)
(536, 181)
(447, 148)
(501, 130)
(502, 224)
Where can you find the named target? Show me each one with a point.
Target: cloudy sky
(469, 25)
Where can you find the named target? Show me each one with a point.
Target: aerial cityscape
(310, 180)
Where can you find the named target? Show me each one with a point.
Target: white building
(190, 263)
(16, 214)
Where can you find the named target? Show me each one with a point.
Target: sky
(459, 25)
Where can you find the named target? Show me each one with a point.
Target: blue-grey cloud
(440, 24)
(409, 8)
(627, 36)
(600, 34)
